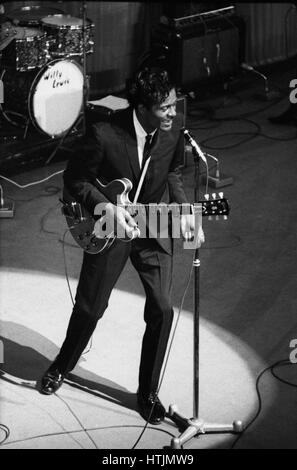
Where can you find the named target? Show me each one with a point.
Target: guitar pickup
(73, 210)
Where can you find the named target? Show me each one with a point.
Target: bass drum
(52, 99)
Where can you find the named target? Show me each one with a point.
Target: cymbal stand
(85, 84)
(193, 427)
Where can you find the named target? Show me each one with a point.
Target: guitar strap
(142, 176)
(147, 157)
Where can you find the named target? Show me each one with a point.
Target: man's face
(161, 115)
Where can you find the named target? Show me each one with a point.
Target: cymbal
(7, 34)
(31, 15)
(4, 43)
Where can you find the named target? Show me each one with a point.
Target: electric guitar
(81, 223)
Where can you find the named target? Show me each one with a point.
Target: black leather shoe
(151, 409)
(51, 381)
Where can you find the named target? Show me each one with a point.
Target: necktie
(147, 149)
(145, 156)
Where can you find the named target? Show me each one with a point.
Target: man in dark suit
(117, 150)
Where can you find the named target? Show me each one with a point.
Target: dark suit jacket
(111, 152)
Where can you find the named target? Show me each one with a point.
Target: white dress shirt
(141, 136)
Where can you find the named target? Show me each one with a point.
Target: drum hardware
(7, 33)
(6, 113)
(7, 139)
(84, 63)
(7, 136)
(26, 124)
(49, 43)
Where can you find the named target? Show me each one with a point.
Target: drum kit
(41, 52)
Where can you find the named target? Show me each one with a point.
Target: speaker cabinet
(181, 107)
(203, 52)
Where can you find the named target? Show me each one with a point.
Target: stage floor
(247, 308)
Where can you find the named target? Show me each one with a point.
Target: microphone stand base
(220, 182)
(194, 426)
(268, 96)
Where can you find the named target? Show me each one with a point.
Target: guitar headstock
(215, 206)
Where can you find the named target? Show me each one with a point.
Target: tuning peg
(221, 195)
(206, 196)
(210, 217)
(214, 195)
(217, 217)
(225, 217)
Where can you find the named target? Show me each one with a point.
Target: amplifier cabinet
(202, 52)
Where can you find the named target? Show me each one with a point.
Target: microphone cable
(6, 431)
(88, 349)
(283, 362)
(250, 136)
(24, 186)
(170, 344)
(209, 110)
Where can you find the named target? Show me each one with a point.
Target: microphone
(249, 68)
(218, 52)
(206, 66)
(194, 145)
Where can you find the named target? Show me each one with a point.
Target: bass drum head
(56, 97)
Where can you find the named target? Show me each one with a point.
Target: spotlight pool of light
(39, 303)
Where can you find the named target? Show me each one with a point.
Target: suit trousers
(99, 274)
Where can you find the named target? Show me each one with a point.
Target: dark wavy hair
(149, 86)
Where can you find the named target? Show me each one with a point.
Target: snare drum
(65, 35)
(26, 50)
(52, 98)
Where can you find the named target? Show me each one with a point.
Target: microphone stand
(192, 427)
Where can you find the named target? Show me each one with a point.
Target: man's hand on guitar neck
(188, 229)
(116, 222)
